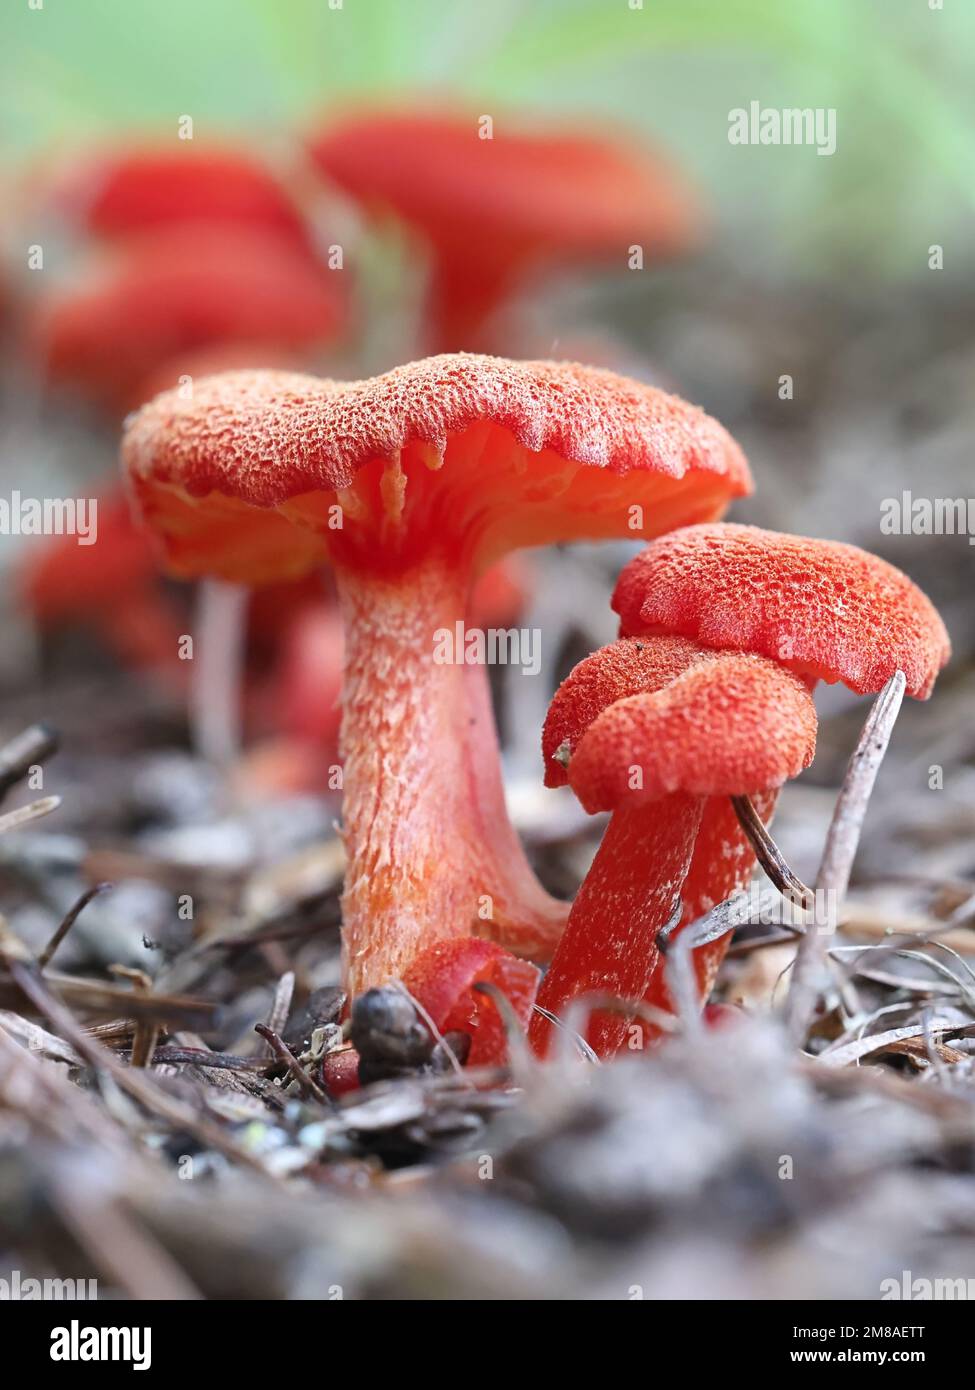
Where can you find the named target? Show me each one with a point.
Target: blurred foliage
(896, 70)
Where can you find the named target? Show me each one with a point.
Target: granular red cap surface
(627, 667)
(730, 724)
(510, 453)
(825, 609)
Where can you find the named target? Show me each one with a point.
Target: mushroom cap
(629, 666)
(132, 190)
(518, 196)
(179, 290)
(827, 610)
(466, 453)
(61, 580)
(709, 724)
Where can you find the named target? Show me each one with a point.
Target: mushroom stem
(431, 853)
(459, 305)
(609, 944)
(215, 688)
(722, 865)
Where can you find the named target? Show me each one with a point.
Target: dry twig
(843, 837)
(768, 854)
(70, 917)
(307, 1084)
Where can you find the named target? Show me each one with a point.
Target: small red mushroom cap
(473, 452)
(731, 724)
(627, 667)
(531, 193)
(131, 191)
(826, 610)
(726, 724)
(180, 290)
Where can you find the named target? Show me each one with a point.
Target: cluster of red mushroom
(202, 258)
(199, 259)
(725, 630)
(407, 486)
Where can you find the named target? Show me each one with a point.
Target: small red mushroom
(111, 587)
(409, 485)
(340, 1071)
(722, 1015)
(308, 677)
(122, 193)
(456, 987)
(822, 609)
(501, 594)
(651, 729)
(826, 610)
(493, 210)
(175, 292)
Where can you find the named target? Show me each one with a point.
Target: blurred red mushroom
(650, 729)
(722, 1015)
(111, 587)
(180, 290)
(493, 210)
(410, 485)
(340, 1071)
(125, 192)
(500, 595)
(307, 684)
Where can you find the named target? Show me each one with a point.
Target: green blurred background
(811, 266)
(898, 72)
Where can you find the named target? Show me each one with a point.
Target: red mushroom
(111, 586)
(122, 193)
(409, 485)
(340, 1071)
(502, 593)
(493, 210)
(178, 291)
(651, 729)
(456, 987)
(825, 610)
